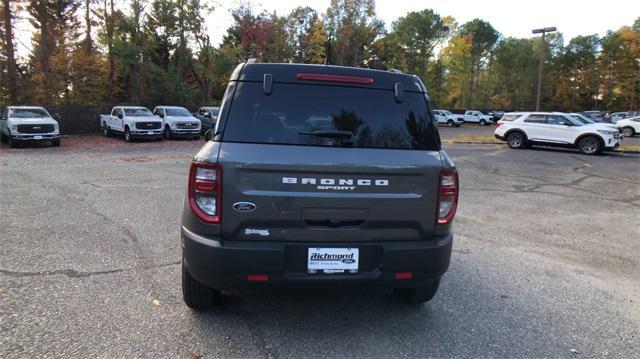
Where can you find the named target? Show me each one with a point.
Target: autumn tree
(353, 27)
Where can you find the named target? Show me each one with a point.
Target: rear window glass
(509, 117)
(330, 116)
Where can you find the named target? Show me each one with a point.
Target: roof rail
(251, 60)
(396, 71)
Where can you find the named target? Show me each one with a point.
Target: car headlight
(14, 128)
(55, 127)
(607, 132)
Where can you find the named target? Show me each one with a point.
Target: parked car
(178, 122)
(448, 118)
(28, 123)
(617, 116)
(341, 188)
(629, 126)
(208, 116)
(587, 121)
(555, 129)
(496, 115)
(132, 122)
(477, 117)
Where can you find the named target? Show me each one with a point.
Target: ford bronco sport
(319, 175)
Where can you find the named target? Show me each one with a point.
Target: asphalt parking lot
(545, 264)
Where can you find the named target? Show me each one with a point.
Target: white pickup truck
(132, 122)
(448, 118)
(178, 122)
(28, 123)
(477, 117)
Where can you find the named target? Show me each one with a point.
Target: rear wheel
(127, 134)
(590, 145)
(418, 295)
(105, 130)
(516, 140)
(197, 295)
(450, 123)
(483, 122)
(628, 132)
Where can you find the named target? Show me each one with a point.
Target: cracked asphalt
(546, 263)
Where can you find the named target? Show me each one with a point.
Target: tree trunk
(87, 19)
(109, 24)
(12, 81)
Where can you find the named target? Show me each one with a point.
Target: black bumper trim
(224, 265)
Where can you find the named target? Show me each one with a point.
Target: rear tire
(55, 143)
(628, 132)
(418, 295)
(590, 145)
(483, 122)
(105, 131)
(127, 134)
(197, 295)
(450, 123)
(516, 140)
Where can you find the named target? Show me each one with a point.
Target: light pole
(542, 31)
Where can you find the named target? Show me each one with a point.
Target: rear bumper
(225, 265)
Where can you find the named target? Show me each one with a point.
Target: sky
(511, 18)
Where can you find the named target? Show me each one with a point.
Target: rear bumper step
(225, 265)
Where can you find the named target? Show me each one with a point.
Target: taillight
(447, 196)
(498, 124)
(205, 191)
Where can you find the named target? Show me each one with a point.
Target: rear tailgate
(307, 193)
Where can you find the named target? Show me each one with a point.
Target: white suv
(630, 126)
(523, 129)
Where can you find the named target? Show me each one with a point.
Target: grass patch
(629, 147)
(479, 139)
(490, 139)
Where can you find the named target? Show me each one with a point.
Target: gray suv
(319, 175)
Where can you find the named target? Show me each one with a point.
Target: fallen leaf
(156, 302)
(196, 355)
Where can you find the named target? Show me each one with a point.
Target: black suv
(319, 175)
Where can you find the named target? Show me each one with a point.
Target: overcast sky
(511, 18)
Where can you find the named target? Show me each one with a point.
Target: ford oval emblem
(348, 261)
(244, 206)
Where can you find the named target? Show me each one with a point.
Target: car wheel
(483, 123)
(418, 295)
(127, 134)
(167, 133)
(105, 131)
(590, 145)
(628, 132)
(516, 140)
(55, 143)
(11, 141)
(197, 295)
(450, 123)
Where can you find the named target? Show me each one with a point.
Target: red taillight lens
(335, 78)
(498, 124)
(447, 196)
(205, 191)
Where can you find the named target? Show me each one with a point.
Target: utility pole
(542, 31)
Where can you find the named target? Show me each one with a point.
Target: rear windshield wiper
(345, 137)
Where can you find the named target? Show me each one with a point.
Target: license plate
(150, 133)
(332, 260)
(37, 137)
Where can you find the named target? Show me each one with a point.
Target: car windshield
(214, 111)
(27, 113)
(574, 121)
(338, 116)
(582, 119)
(136, 112)
(178, 112)
(446, 112)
